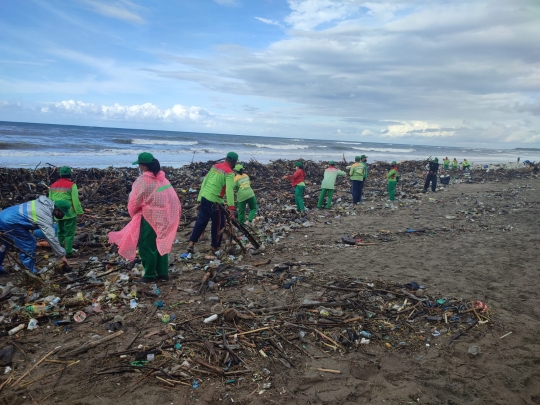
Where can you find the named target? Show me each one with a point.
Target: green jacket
(455, 163)
(219, 182)
(446, 163)
(65, 189)
(466, 164)
(358, 171)
(392, 175)
(330, 176)
(243, 188)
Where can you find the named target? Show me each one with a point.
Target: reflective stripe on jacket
(33, 215)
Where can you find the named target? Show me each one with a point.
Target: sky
(439, 72)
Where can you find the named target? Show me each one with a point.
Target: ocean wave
(268, 146)
(162, 142)
(101, 152)
(385, 150)
(207, 150)
(350, 143)
(18, 145)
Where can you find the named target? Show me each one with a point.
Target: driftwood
(91, 345)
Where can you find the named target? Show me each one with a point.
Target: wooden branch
(91, 345)
(34, 366)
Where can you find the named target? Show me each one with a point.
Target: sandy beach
(474, 240)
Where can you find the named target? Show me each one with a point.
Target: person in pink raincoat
(155, 212)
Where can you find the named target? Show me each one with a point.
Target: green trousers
(252, 202)
(299, 198)
(66, 234)
(324, 191)
(392, 190)
(153, 263)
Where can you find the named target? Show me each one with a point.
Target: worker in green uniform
(244, 195)
(465, 165)
(65, 189)
(393, 177)
(455, 164)
(328, 183)
(446, 163)
(218, 183)
(358, 173)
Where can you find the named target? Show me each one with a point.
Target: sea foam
(162, 142)
(268, 146)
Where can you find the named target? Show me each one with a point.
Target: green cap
(238, 167)
(436, 160)
(363, 156)
(63, 206)
(394, 162)
(298, 164)
(232, 156)
(331, 162)
(144, 158)
(357, 158)
(65, 170)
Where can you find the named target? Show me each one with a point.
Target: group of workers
(465, 165)
(155, 210)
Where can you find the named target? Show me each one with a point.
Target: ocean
(30, 145)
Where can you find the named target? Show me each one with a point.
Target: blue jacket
(33, 215)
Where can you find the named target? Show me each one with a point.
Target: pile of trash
(229, 322)
(112, 185)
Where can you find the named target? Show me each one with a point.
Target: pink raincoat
(153, 198)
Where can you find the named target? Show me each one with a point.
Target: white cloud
(122, 10)
(416, 129)
(8, 104)
(308, 14)
(138, 112)
(269, 22)
(367, 132)
(229, 3)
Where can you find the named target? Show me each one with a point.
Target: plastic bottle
(55, 301)
(211, 318)
(32, 324)
(364, 333)
(133, 303)
(17, 329)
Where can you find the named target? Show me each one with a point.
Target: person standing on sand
(17, 222)
(432, 175)
(328, 184)
(465, 165)
(297, 181)
(218, 183)
(446, 163)
(155, 212)
(455, 164)
(245, 195)
(393, 177)
(65, 189)
(358, 173)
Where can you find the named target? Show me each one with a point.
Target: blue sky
(419, 71)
